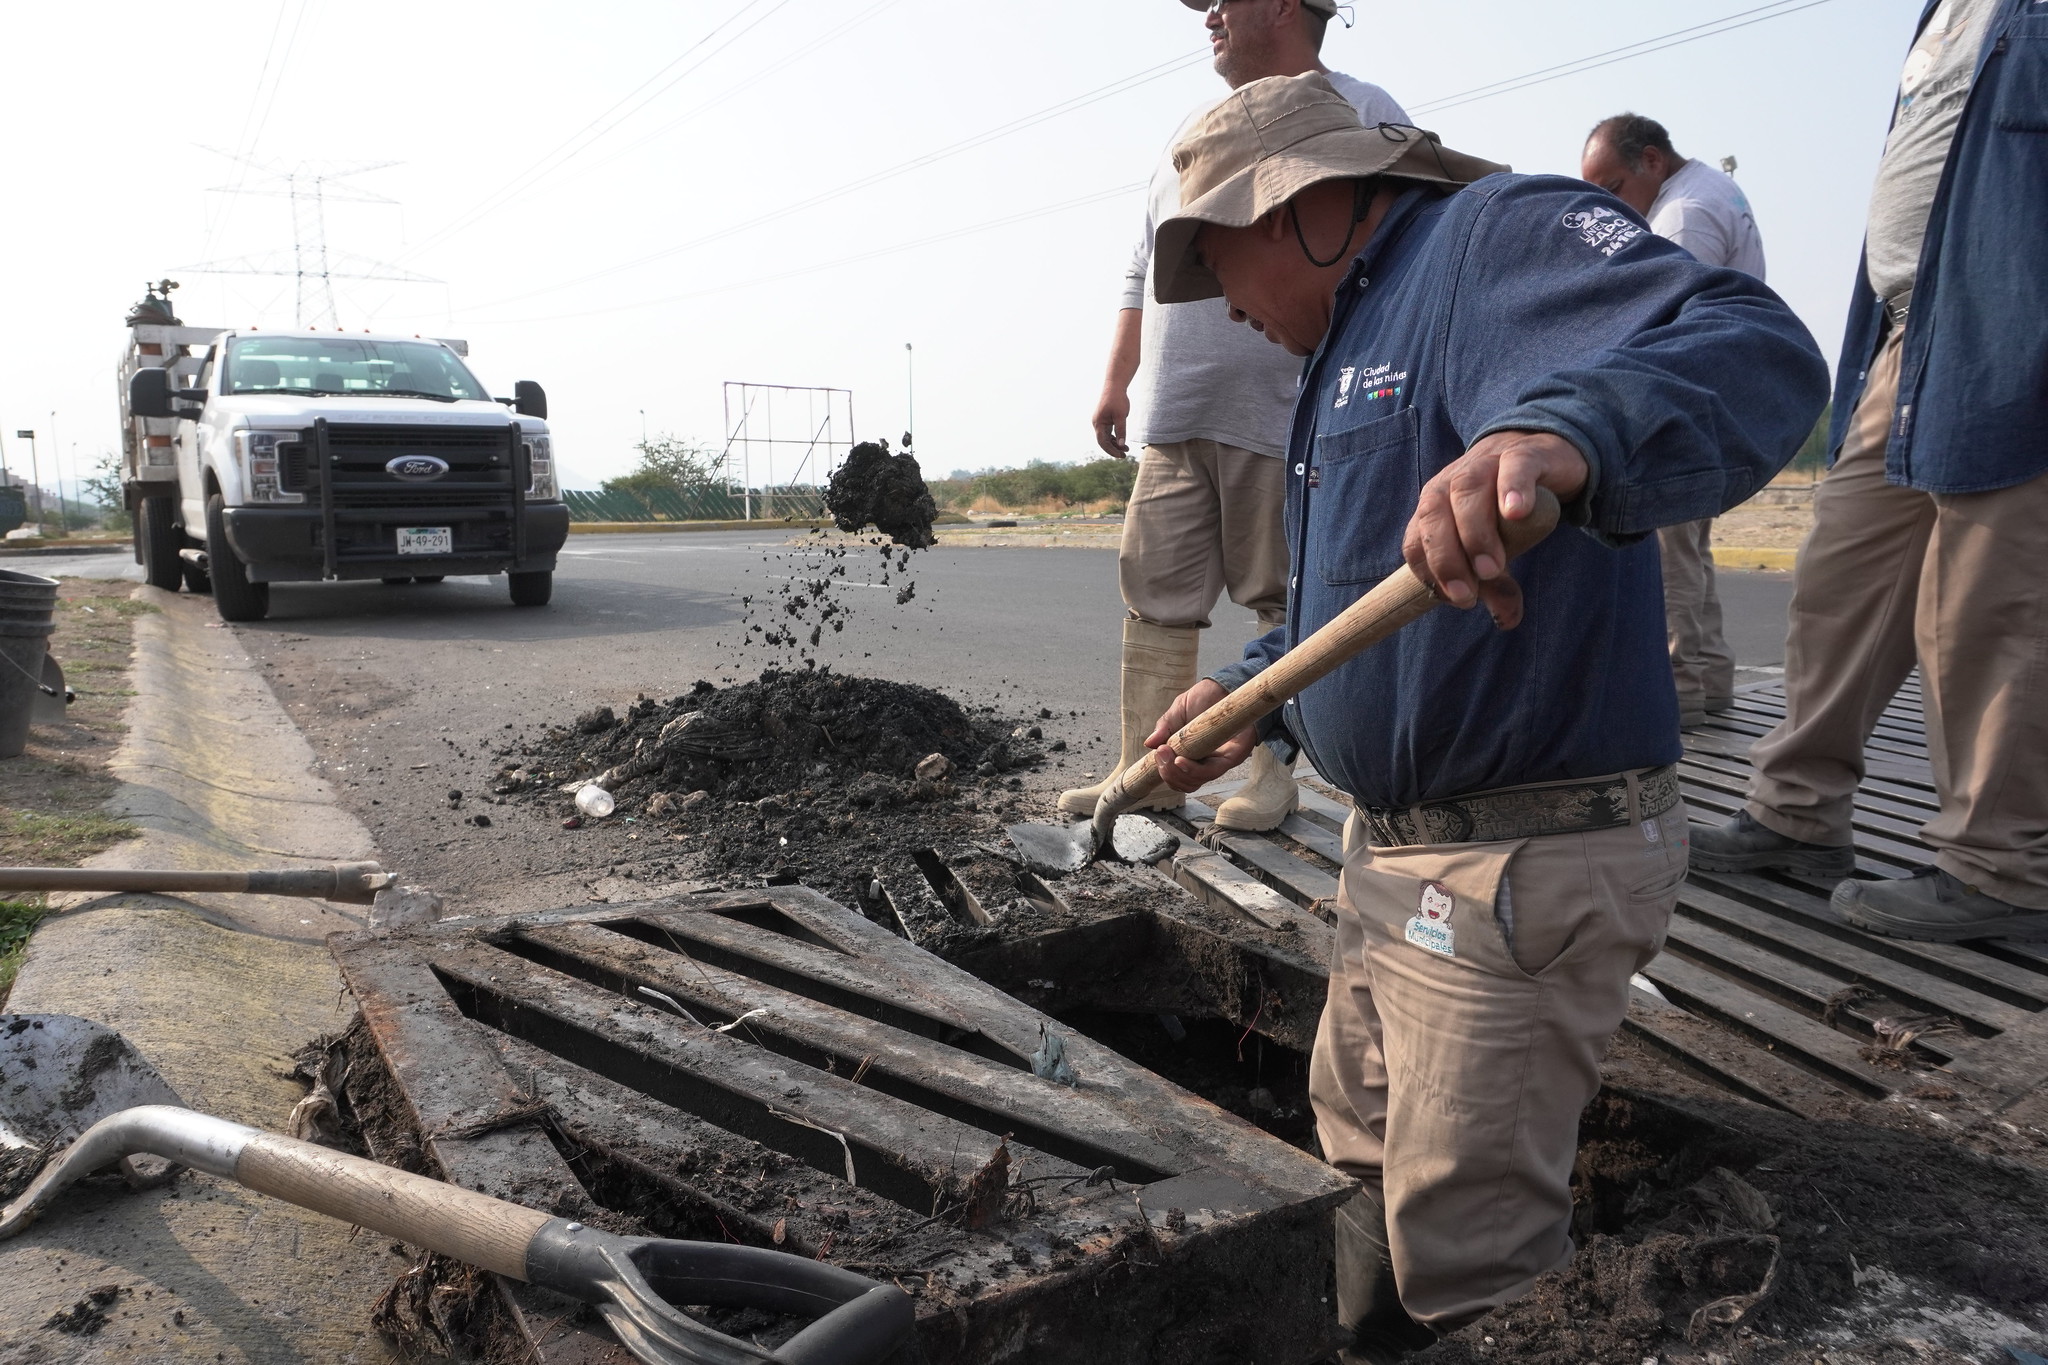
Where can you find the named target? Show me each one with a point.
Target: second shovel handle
(1399, 598)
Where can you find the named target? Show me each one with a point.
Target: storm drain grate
(772, 1068)
(1762, 987)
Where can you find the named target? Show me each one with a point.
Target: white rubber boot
(1269, 795)
(1159, 665)
(1267, 798)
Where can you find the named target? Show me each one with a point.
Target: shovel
(1401, 597)
(349, 883)
(54, 1063)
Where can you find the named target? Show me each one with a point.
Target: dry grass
(985, 506)
(1765, 526)
(51, 797)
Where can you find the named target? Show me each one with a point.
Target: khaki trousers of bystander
(1702, 666)
(1204, 517)
(1474, 991)
(1890, 574)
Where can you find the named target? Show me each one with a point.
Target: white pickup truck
(267, 456)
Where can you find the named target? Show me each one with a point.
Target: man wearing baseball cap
(1213, 401)
(1517, 838)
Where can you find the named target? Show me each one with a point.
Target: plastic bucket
(28, 604)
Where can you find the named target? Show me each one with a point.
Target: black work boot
(1933, 905)
(1368, 1306)
(1743, 845)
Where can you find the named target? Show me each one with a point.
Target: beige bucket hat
(1267, 142)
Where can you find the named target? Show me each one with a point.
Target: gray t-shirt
(1200, 375)
(1706, 212)
(1932, 90)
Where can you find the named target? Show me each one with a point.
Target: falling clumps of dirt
(799, 775)
(872, 487)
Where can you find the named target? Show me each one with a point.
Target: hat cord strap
(1361, 205)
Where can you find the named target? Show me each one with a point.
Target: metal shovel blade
(1055, 850)
(51, 699)
(59, 1075)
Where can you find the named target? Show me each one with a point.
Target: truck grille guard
(336, 463)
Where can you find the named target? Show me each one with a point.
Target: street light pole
(35, 467)
(57, 464)
(909, 392)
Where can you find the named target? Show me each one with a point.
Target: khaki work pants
(1702, 665)
(1204, 517)
(1889, 574)
(1452, 1084)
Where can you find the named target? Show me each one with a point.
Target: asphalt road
(406, 692)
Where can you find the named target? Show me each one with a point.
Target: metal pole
(35, 471)
(910, 392)
(57, 462)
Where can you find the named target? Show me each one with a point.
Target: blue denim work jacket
(1972, 410)
(1530, 303)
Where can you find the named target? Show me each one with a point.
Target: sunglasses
(1343, 11)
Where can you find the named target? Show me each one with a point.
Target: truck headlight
(540, 463)
(257, 452)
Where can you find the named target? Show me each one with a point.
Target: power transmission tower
(309, 185)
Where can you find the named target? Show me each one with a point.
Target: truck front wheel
(160, 563)
(234, 596)
(531, 589)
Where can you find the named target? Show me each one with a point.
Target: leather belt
(1899, 307)
(1526, 812)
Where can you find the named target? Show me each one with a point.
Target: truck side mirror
(530, 399)
(149, 393)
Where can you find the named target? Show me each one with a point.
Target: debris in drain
(1715, 1230)
(798, 774)
(873, 1109)
(1050, 1062)
(871, 487)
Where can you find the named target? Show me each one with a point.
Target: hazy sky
(631, 214)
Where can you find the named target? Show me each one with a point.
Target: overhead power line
(309, 186)
(245, 141)
(1008, 220)
(980, 139)
(1676, 38)
(824, 39)
(580, 140)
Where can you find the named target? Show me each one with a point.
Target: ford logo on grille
(416, 468)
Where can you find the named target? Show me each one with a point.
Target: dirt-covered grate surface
(808, 776)
(769, 1068)
(1723, 1232)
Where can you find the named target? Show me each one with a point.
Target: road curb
(1746, 557)
(41, 551)
(217, 992)
(631, 528)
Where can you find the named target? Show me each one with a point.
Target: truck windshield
(346, 366)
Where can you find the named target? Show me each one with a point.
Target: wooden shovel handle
(472, 1227)
(1399, 598)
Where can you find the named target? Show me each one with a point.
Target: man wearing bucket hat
(1205, 514)
(1517, 837)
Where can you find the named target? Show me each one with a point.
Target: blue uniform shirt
(1523, 303)
(1972, 409)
